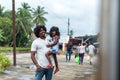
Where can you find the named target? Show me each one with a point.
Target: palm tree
(23, 20)
(23, 23)
(38, 15)
(26, 6)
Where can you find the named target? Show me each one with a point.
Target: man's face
(42, 33)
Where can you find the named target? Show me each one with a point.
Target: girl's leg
(49, 60)
(82, 57)
(56, 63)
(79, 58)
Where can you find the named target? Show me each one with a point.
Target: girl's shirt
(81, 49)
(55, 48)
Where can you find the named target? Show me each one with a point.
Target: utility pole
(68, 25)
(14, 33)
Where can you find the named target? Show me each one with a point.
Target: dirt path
(68, 70)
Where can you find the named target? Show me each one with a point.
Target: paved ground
(24, 70)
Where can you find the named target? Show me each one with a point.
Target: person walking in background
(81, 51)
(91, 52)
(86, 48)
(38, 51)
(53, 43)
(68, 51)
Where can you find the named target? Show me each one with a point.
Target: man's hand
(38, 67)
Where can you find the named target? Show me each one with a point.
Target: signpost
(64, 39)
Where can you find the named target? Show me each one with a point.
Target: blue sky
(84, 15)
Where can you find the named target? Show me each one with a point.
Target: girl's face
(53, 33)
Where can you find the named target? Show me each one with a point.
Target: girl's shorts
(54, 51)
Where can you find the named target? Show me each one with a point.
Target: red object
(49, 66)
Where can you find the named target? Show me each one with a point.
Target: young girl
(54, 47)
(81, 51)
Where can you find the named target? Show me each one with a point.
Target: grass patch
(17, 48)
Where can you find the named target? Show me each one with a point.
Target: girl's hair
(38, 28)
(54, 28)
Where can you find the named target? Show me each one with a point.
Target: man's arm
(35, 61)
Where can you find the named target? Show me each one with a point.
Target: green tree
(26, 6)
(38, 15)
(1, 36)
(26, 18)
(23, 21)
(23, 24)
(1, 11)
(6, 27)
(8, 14)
